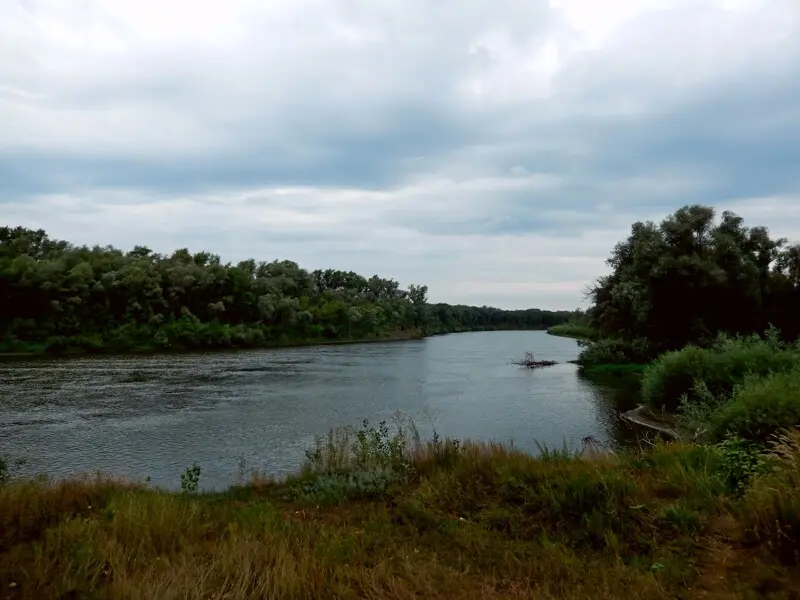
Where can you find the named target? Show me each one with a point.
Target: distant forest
(60, 297)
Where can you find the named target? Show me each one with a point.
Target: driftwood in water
(531, 362)
(644, 417)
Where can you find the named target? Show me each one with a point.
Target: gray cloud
(495, 153)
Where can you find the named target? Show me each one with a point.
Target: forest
(61, 297)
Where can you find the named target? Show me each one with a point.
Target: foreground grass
(371, 517)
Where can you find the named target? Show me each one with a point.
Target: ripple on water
(156, 415)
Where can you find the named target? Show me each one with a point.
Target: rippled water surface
(155, 415)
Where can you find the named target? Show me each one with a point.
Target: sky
(495, 151)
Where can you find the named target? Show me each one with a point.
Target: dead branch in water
(530, 362)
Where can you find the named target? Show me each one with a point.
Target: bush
(190, 479)
(364, 462)
(742, 460)
(717, 369)
(615, 351)
(759, 408)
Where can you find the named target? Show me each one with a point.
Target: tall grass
(771, 511)
(463, 520)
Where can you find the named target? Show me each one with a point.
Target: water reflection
(155, 415)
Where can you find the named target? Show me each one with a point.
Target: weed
(190, 479)
(742, 460)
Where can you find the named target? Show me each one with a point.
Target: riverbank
(99, 349)
(575, 331)
(437, 520)
(41, 349)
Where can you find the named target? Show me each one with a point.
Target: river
(153, 416)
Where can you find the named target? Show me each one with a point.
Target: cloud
(494, 152)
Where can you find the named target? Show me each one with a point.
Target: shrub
(333, 488)
(362, 462)
(717, 369)
(742, 460)
(759, 408)
(615, 351)
(190, 479)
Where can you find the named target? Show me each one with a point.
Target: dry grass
(473, 521)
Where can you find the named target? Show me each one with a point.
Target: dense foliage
(59, 296)
(698, 373)
(689, 278)
(692, 295)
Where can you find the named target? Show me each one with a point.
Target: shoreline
(398, 337)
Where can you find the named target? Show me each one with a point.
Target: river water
(153, 416)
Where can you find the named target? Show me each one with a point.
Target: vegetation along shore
(66, 298)
(377, 512)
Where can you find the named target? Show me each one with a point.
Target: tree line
(692, 277)
(58, 296)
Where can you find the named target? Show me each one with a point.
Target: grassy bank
(380, 515)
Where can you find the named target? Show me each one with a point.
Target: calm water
(156, 415)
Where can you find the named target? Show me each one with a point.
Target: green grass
(376, 513)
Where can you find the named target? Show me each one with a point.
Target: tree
(690, 278)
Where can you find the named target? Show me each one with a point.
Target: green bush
(355, 463)
(716, 369)
(759, 408)
(616, 351)
(190, 479)
(742, 460)
(334, 488)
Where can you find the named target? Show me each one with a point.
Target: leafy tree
(691, 277)
(59, 296)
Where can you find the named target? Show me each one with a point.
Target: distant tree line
(58, 296)
(692, 277)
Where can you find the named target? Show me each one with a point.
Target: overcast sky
(494, 151)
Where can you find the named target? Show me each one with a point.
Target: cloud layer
(493, 151)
